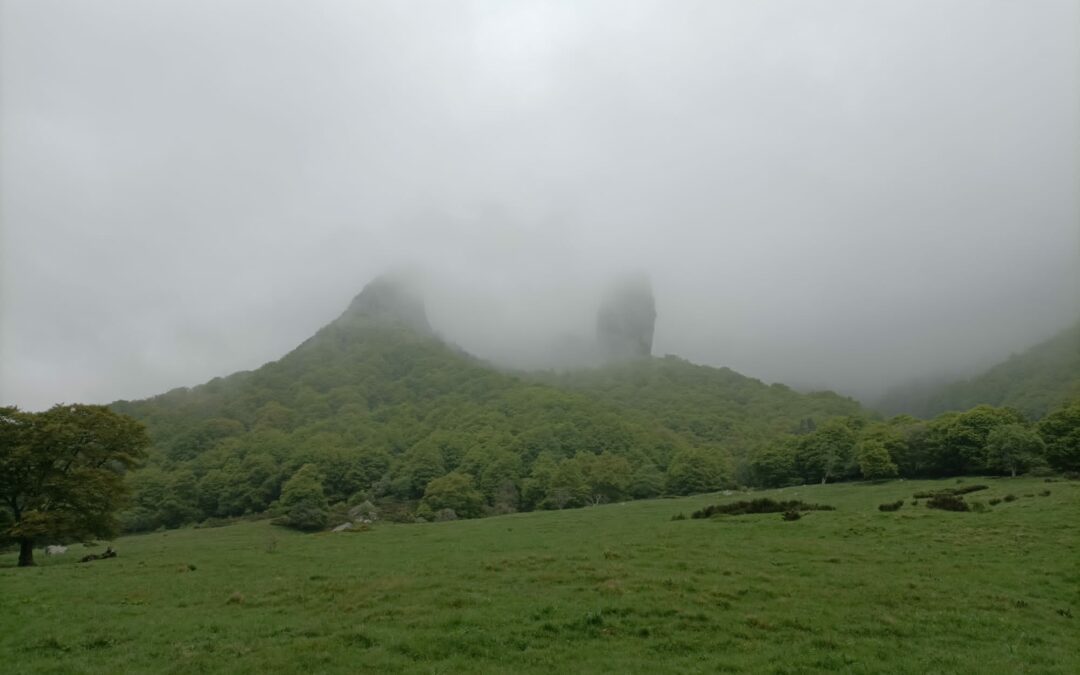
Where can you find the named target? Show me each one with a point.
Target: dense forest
(376, 413)
(1034, 382)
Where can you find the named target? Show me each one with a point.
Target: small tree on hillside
(303, 500)
(62, 473)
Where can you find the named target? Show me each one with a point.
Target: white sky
(830, 193)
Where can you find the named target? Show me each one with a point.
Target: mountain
(381, 407)
(1034, 382)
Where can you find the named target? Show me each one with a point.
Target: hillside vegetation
(1034, 382)
(380, 408)
(375, 414)
(619, 588)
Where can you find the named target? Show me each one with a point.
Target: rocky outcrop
(626, 320)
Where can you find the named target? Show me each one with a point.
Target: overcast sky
(840, 194)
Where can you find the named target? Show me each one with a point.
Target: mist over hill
(1035, 381)
(381, 407)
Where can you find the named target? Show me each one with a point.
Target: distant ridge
(1034, 382)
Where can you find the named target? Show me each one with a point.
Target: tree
(827, 452)
(874, 460)
(774, 465)
(1061, 432)
(694, 470)
(647, 481)
(965, 435)
(303, 500)
(1013, 448)
(62, 473)
(608, 477)
(456, 491)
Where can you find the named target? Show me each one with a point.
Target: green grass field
(617, 588)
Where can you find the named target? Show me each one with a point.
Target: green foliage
(456, 491)
(1061, 432)
(874, 460)
(760, 505)
(381, 410)
(1013, 448)
(774, 465)
(958, 442)
(62, 473)
(694, 471)
(303, 501)
(827, 453)
(646, 481)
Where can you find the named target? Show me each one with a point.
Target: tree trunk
(26, 552)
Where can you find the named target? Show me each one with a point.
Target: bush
(792, 515)
(679, 516)
(893, 506)
(1010, 498)
(947, 503)
(763, 505)
(995, 501)
(967, 489)
(444, 515)
(1044, 493)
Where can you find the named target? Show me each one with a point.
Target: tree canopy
(62, 473)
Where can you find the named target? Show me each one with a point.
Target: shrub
(1044, 493)
(979, 507)
(1010, 498)
(679, 516)
(763, 505)
(893, 506)
(444, 515)
(792, 515)
(967, 489)
(995, 501)
(947, 503)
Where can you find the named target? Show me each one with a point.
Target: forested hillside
(1034, 382)
(707, 406)
(384, 411)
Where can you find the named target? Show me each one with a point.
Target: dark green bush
(1010, 498)
(947, 503)
(763, 505)
(967, 489)
(892, 506)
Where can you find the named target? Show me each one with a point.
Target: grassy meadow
(615, 588)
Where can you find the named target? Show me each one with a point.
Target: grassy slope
(618, 588)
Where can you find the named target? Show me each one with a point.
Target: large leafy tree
(1013, 448)
(62, 473)
(1061, 432)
